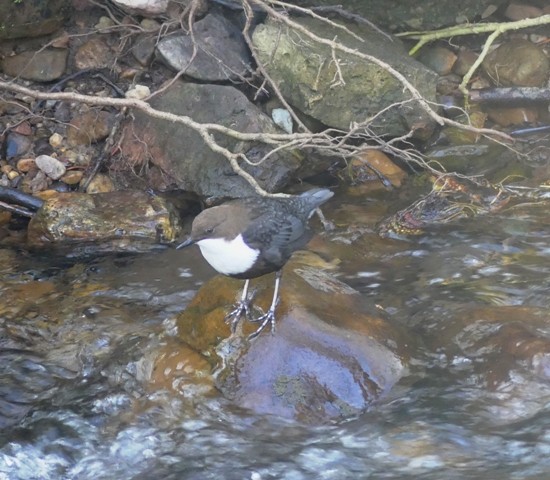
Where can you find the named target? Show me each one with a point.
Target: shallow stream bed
(75, 338)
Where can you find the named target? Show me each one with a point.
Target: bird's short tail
(316, 196)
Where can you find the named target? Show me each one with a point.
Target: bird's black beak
(187, 242)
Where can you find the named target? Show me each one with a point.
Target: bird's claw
(233, 317)
(265, 319)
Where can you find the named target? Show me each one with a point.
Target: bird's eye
(209, 230)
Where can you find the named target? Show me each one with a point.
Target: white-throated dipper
(250, 237)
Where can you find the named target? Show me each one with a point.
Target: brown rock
(327, 359)
(95, 53)
(465, 60)
(100, 184)
(439, 59)
(517, 11)
(107, 222)
(42, 66)
(89, 127)
(512, 116)
(73, 177)
(26, 164)
(518, 62)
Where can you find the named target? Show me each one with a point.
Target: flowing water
(76, 336)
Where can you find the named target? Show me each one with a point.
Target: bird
(250, 237)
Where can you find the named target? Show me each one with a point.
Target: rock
(138, 91)
(439, 59)
(51, 166)
(182, 155)
(518, 62)
(358, 170)
(100, 184)
(16, 145)
(328, 358)
(104, 25)
(176, 367)
(143, 49)
(122, 221)
(143, 7)
(73, 177)
(95, 53)
(513, 116)
(89, 127)
(415, 14)
(41, 66)
(282, 118)
(221, 52)
(32, 18)
(55, 140)
(308, 79)
(517, 11)
(25, 164)
(465, 60)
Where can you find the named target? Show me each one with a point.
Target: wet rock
(359, 170)
(89, 127)
(470, 159)
(176, 367)
(220, 52)
(32, 18)
(182, 155)
(308, 78)
(106, 222)
(95, 53)
(143, 7)
(518, 62)
(328, 358)
(51, 166)
(41, 66)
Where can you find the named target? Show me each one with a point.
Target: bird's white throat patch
(229, 257)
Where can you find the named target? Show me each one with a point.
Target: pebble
(282, 118)
(100, 184)
(73, 177)
(25, 164)
(56, 140)
(52, 167)
(139, 92)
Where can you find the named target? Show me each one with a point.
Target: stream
(75, 338)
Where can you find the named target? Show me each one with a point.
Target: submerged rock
(329, 358)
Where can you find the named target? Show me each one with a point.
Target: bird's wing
(278, 236)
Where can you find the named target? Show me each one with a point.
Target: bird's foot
(264, 320)
(233, 317)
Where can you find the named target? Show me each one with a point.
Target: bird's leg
(269, 316)
(242, 306)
